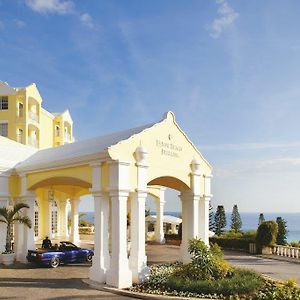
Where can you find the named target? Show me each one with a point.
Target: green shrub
(295, 244)
(241, 282)
(267, 233)
(240, 243)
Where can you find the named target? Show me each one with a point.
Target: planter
(8, 258)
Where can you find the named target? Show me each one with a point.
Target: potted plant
(10, 217)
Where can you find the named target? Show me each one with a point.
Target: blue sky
(229, 70)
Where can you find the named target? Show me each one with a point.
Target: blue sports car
(66, 253)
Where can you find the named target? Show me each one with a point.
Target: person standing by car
(46, 243)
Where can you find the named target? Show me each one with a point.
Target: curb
(281, 258)
(106, 288)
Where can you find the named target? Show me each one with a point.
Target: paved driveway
(281, 270)
(43, 283)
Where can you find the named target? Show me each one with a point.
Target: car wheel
(54, 262)
(89, 257)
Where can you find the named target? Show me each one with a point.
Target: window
(54, 217)
(3, 102)
(20, 110)
(4, 129)
(20, 135)
(56, 130)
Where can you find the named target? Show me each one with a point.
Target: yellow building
(117, 170)
(24, 120)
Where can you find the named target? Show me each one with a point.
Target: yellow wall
(170, 154)
(46, 126)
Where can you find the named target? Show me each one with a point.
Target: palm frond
(23, 220)
(4, 212)
(16, 209)
(3, 221)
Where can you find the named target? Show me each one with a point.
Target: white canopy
(166, 219)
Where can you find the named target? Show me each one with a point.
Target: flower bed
(208, 275)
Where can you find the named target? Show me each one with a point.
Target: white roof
(166, 219)
(76, 152)
(12, 153)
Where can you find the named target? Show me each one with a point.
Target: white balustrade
(286, 251)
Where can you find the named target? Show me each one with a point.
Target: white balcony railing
(33, 116)
(33, 142)
(286, 251)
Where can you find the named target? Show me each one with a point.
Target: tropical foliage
(11, 216)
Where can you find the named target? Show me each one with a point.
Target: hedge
(232, 243)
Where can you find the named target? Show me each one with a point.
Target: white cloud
(87, 20)
(19, 23)
(226, 16)
(51, 6)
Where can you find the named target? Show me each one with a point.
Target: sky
(228, 69)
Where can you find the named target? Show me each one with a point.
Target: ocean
(249, 220)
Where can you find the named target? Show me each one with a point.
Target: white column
(48, 220)
(173, 228)
(63, 213)
(159, 224)
(3, 227)
(204, 219)
(204, 210)
(138, 258)
(119, 274)
(190, 221)
(74, 220)
(28, 233)
(101, 252)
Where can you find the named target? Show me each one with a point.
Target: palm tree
(11, 216)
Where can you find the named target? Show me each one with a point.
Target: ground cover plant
(208, 275)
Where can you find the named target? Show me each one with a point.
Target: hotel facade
(42, 166)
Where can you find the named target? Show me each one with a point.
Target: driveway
(281, 270)
(65, 282)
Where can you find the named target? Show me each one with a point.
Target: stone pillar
(119, 274)
(159, 224)
(24, 234)
(101, 252)
(3, 227)
(4, 202)
(138, 258)
(101, 259)
(63, 213)
(190, 210)
(204, 210)
(74, 220)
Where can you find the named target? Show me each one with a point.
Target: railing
(286, 251)
(33, 116)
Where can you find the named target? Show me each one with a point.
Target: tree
(220, 220)
(211, 218)
(10, 217)
(261, 218)
(282, 231)
(236, 221)
(267, 233)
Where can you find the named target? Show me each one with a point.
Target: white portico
(118, 170)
